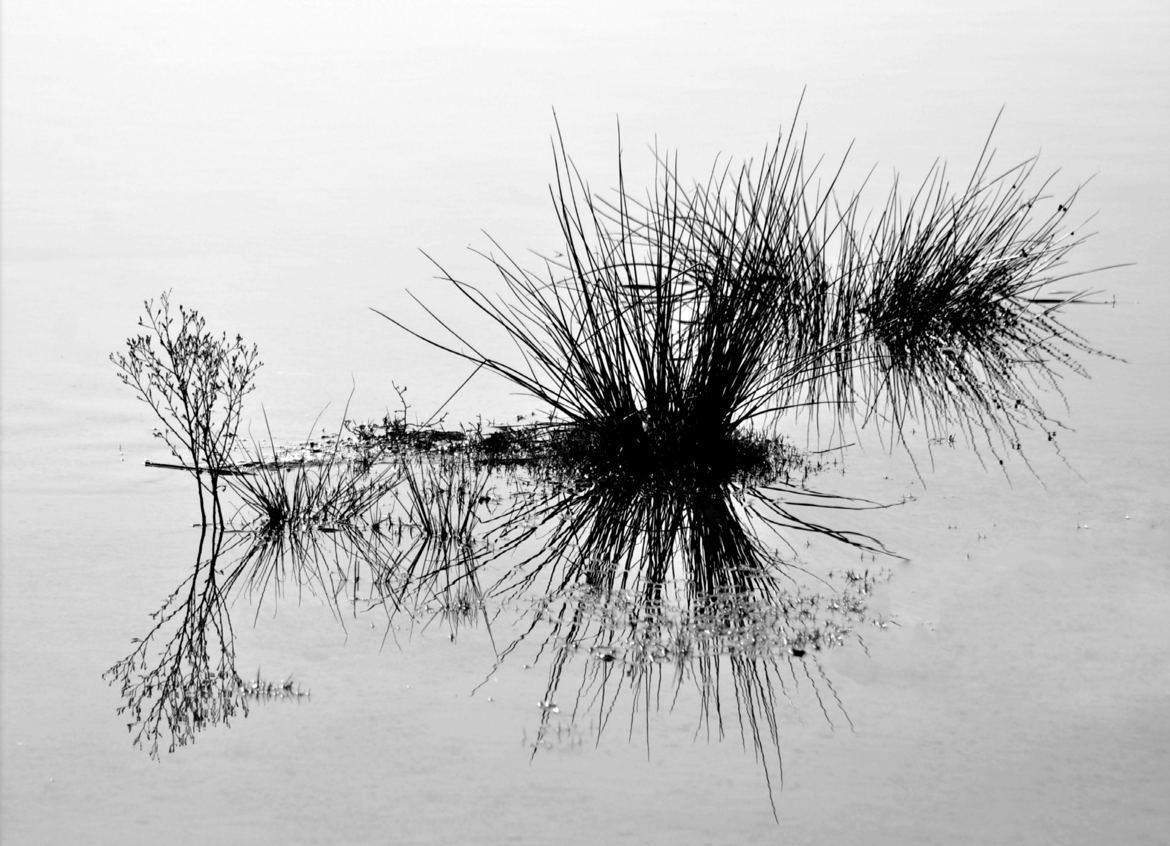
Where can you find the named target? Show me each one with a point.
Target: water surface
(279, 168)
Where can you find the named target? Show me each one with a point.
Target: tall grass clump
(669, 323)
(958, 319)
(673, 324)
(328, 493)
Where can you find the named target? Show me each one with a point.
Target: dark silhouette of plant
(956, 313)
(648, 590)
(195, 382)
(181, 676)
(667, 325)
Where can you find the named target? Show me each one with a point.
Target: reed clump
(958, 319)
(672, 328)
(329, 493)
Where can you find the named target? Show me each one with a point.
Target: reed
(326, 489)
(664, 329)
(672, 325)
(958, 314)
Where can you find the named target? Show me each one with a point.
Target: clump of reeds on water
(958, 320)
(651, 350)
(328, 489)
(674, 323)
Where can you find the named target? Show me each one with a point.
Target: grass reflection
(645, 596)
(639, 595)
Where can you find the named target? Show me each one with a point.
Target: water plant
(649, 360)
(329, 491)
(955, 308)
(195, 383)
(669, 325)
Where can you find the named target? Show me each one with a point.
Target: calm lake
(280, 167)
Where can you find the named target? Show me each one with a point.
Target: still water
(280, 168)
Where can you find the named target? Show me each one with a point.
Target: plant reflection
(683, 594)
(656, 595)
(181, 676)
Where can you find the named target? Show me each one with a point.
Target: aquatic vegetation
(668, 326)
(956, 312)
(648, 541)
(393, 436)
(325, 493)
(650, 359)
(195, 383)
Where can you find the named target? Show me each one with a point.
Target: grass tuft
(671, 327)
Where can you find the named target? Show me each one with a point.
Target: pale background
(279, 166)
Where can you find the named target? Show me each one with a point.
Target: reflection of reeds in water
(306, 524)
(653, 597)
(652, 591)
(728, 657)
(434, 571)
(603, 532)
(305, 532)
(181, 676)
(323, 562)
(413, 537)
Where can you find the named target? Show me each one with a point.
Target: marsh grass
(671, 326)
(324, 494)
(328, 488)
(959, 316)
(654, 521)
(652, 349)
